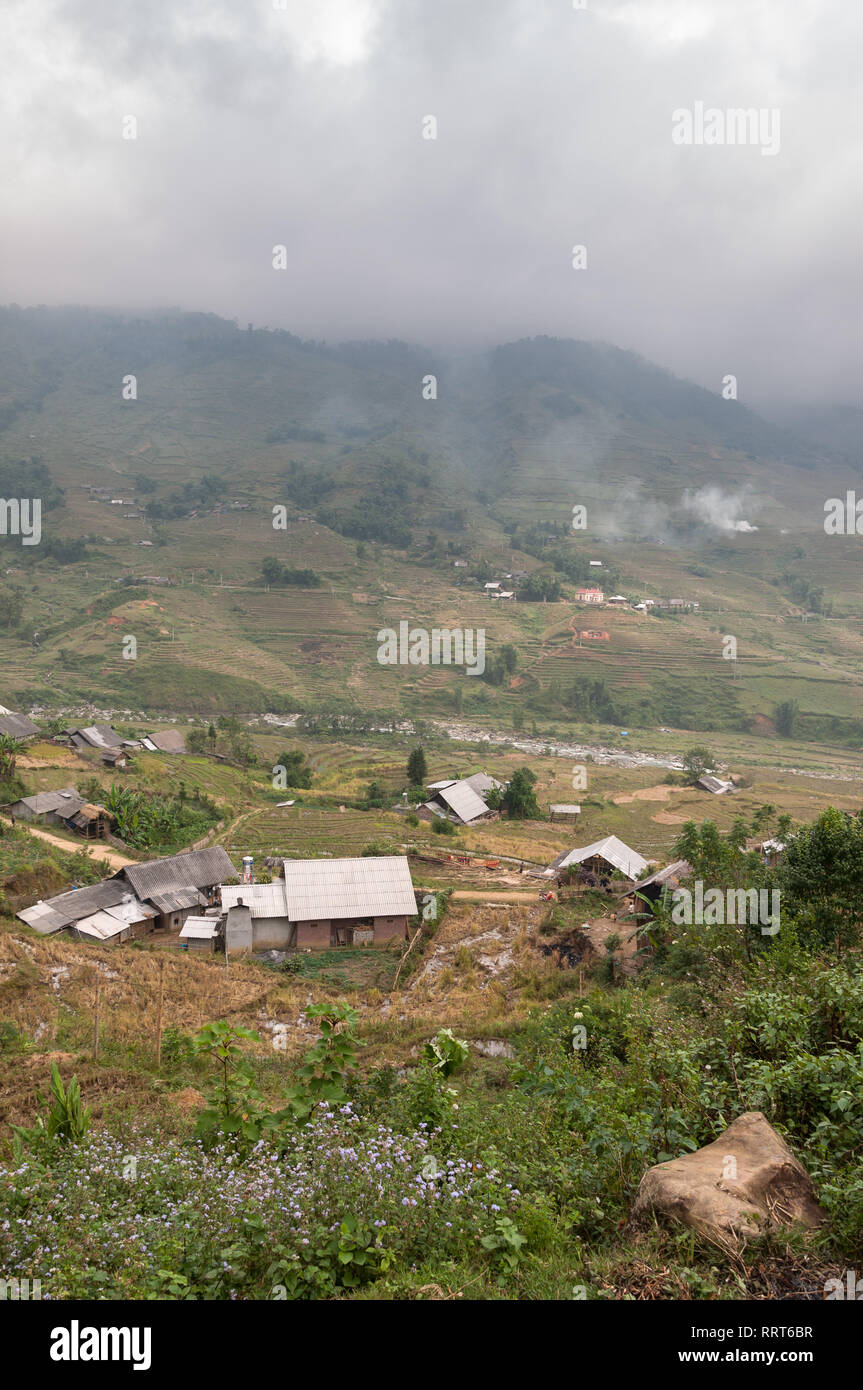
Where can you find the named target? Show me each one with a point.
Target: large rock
(745, 1182)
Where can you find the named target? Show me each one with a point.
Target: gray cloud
(302, 126)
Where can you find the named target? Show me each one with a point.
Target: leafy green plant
(445, 1052)
(326, 1067)
(235, 1101)
(66, 1121)
(504, 1245)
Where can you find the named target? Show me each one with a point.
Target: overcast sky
(303, 126)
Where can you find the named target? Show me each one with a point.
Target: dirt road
(469, 896)
(96, 848)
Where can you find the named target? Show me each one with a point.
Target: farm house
(597, 863)
(67, 808)
(349, 901)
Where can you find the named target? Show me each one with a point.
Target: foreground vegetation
(508, 1178)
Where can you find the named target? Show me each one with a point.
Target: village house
(67, 808)
(598, 862)
(652, 888)
(564, 811)
(155, 897)
(461, 801)
(16, 726)
(589, 596)
(716, 785)
(165, 741)
(593, 634)
(256, 916)
(201, 935)
(105, 911)
(321, 903)
(98, 736)
(179, 885)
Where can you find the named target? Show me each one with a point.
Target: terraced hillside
(169, 499)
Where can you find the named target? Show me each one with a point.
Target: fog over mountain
(303, 126)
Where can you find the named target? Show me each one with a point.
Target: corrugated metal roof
(264, 899)
(178, 899)
(168, 741)
(564, 808)
(463, 801)
(482, 782)
(715, 784)
(101, 925)
(67, 800)
(100, 736)
(54, 913)
(336, 888)
(17, 725)
(678, 869)
(613, 851)
(201, 928)
(201, 868)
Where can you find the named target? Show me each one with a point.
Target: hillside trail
(117, 861)
(467, 895)
(547, 650)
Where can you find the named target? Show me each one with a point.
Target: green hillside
(382, 492)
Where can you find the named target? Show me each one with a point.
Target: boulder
(744, 1183)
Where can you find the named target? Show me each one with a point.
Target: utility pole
(159, 1012)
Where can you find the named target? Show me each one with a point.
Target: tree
(11, 607)
(697, 762)
(519, 800)
(417, 767)
(8, 755)
(821, 878)
(785, 717)
(298, 773)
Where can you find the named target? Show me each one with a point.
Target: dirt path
(464, 895)
(117, 861)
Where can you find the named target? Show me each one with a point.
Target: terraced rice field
(302, 832)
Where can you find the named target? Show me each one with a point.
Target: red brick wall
(388, 927)
(314, 934)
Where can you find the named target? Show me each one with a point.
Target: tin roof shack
(342, 902)
(16, 726)
(66, 911)
(98, 736)
(597, 863)
(67, 808)
(652, 889)
(179, 885)
(128, 920)
(201, 934)
(264, 924)
(564, 811)
(165, 741)
(709, 783)
(462, 801)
